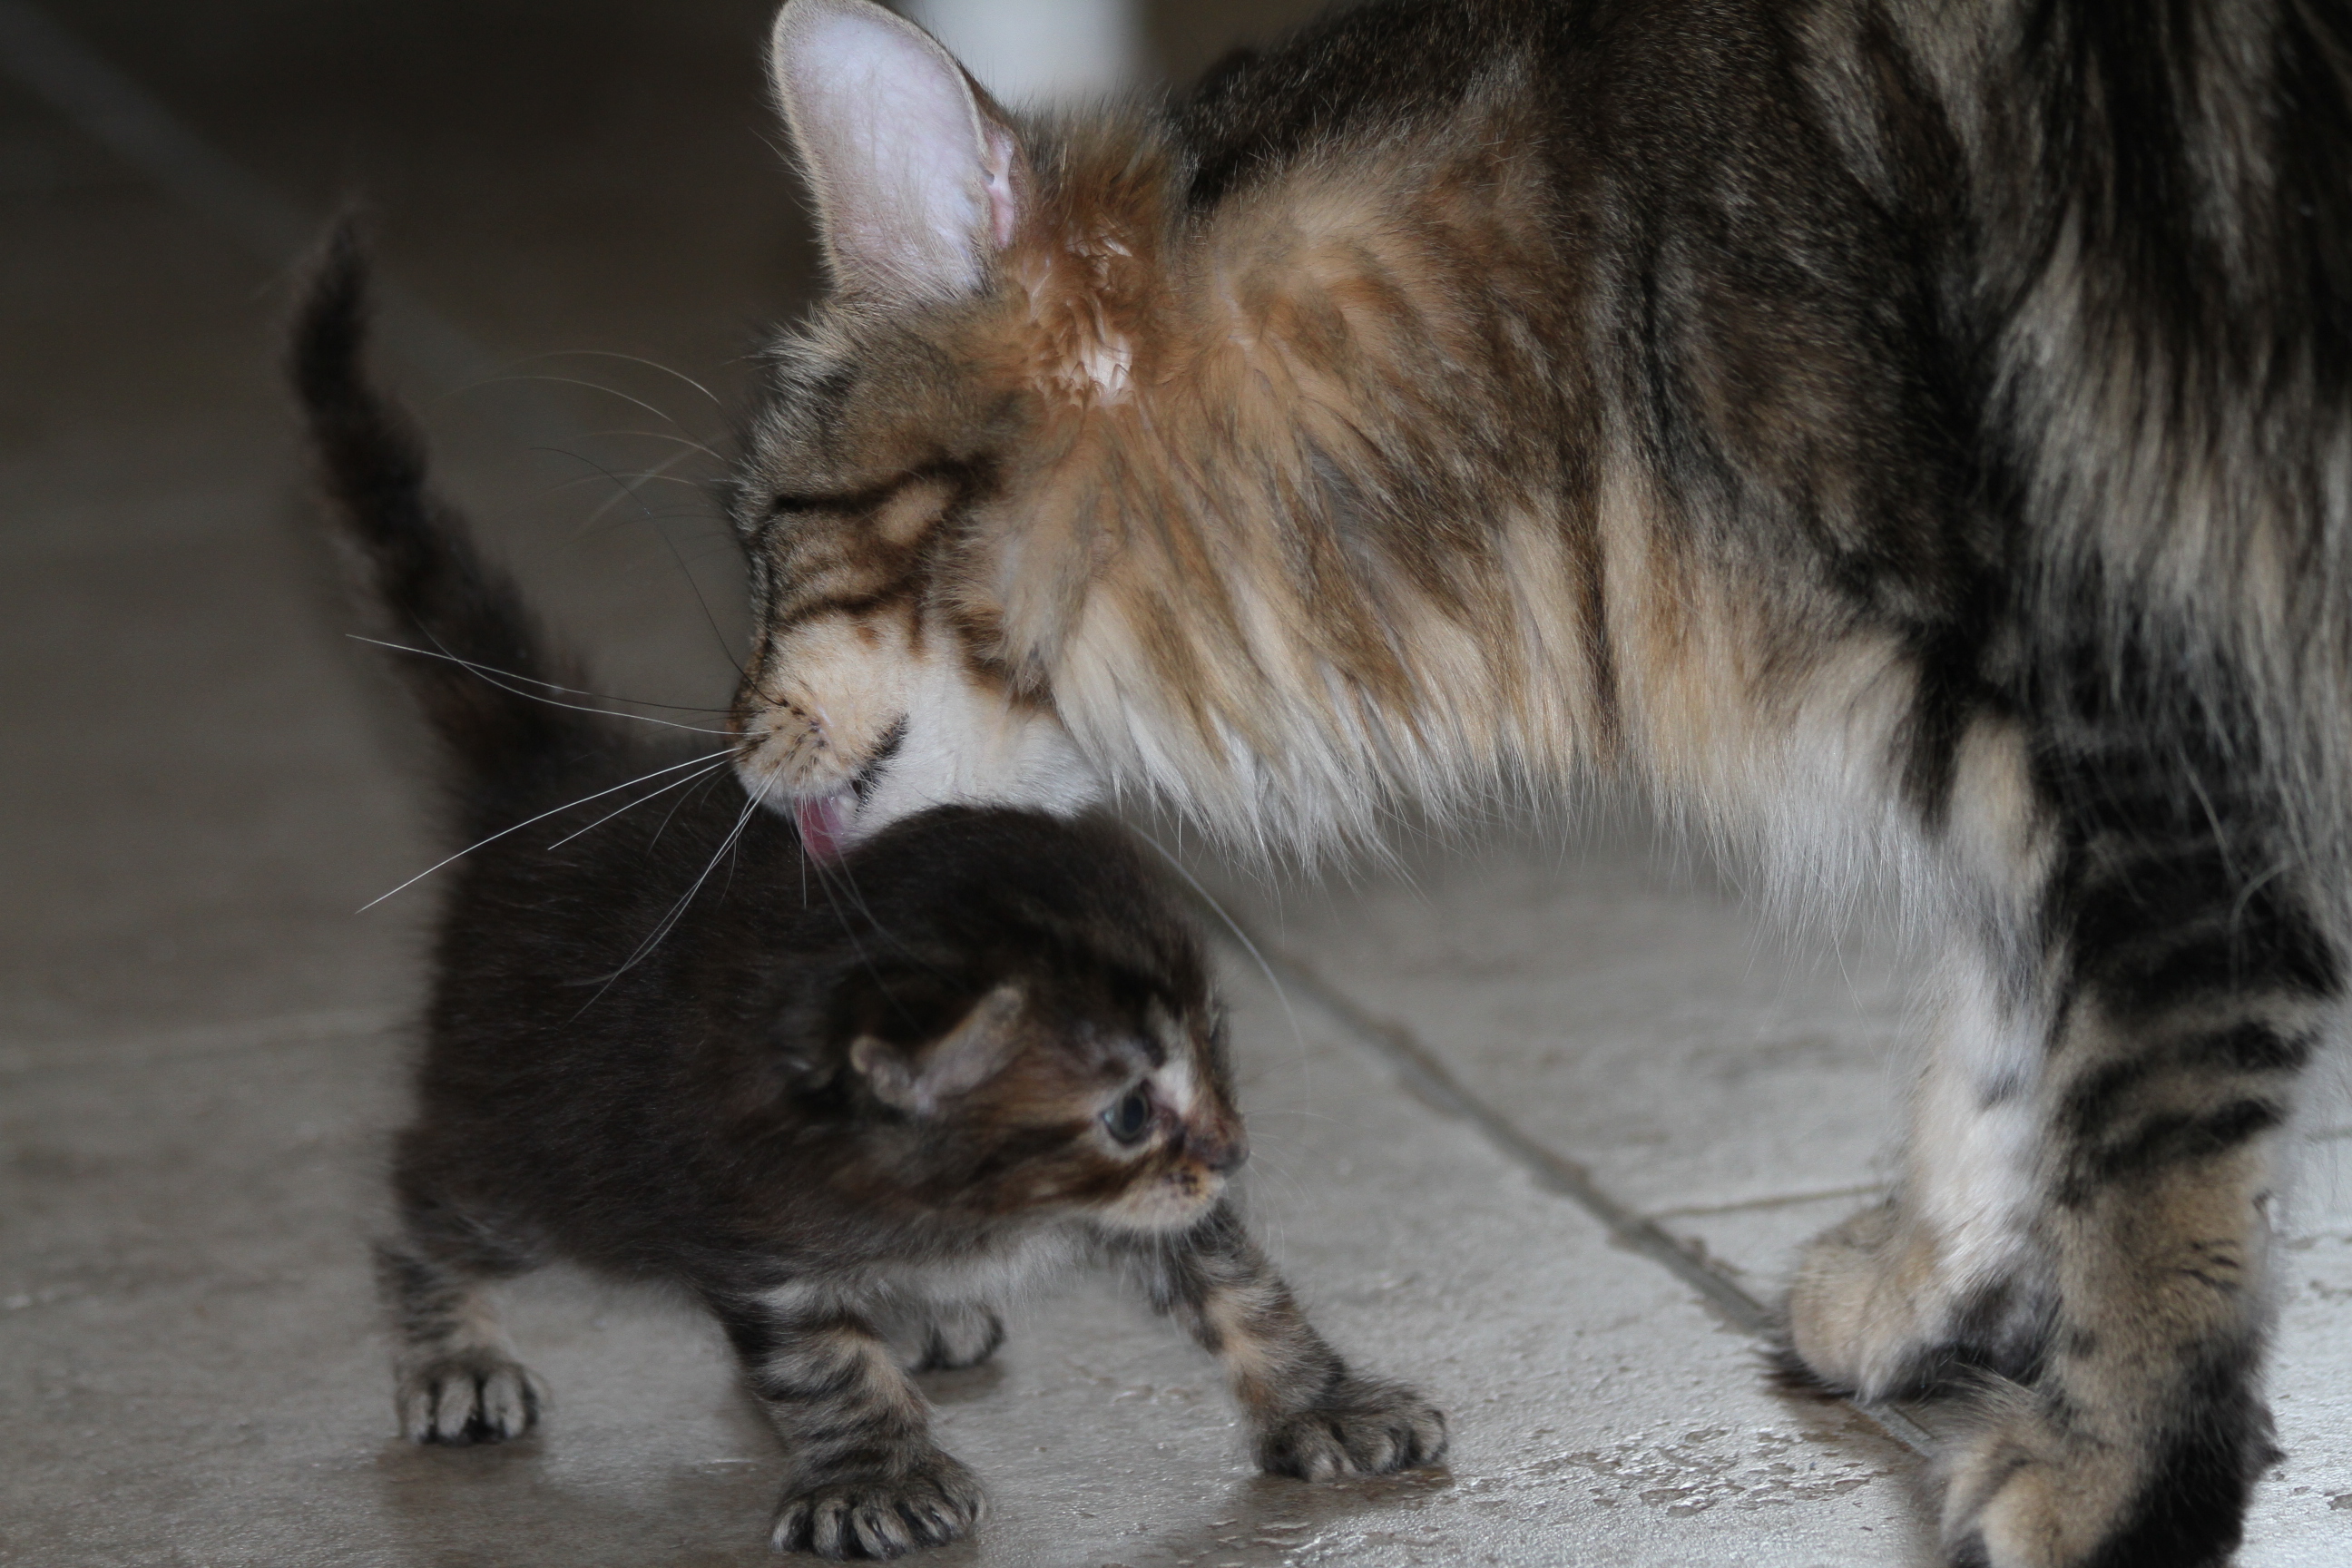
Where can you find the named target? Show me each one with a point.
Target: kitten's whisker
(1298, 1035)
(542, 816)
(489, 669)
(674, 783)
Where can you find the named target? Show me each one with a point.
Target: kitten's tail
(481, 669)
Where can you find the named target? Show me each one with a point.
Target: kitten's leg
(864, 1477)
(457, 1380)
(1310, 1416)
(946, 1336)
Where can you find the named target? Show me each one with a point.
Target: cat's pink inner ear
(914, 179)
(1004, 206)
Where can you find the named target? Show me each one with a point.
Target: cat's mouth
(828, 823)
(824, 824)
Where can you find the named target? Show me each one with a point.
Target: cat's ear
(918, 1081)
(916, 174)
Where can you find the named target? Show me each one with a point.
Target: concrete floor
(200, 1043)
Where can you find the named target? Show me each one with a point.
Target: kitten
(1911, 436)
(846, 1123)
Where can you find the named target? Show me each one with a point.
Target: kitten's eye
(1128, 1119)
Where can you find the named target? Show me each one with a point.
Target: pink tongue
(822, 824)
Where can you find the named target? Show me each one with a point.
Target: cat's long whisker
(677, 910)
(636, 476)
(624, 492)
(622, 488)
(711, 452)
(674, 783)
(542, 816)
(564, 380)
(824, 885)
(675, 808)
(489, 669)
(687, 572)
(633, 359)
(694, 582)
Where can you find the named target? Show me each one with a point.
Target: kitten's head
(980, 315)
(1029, 1026)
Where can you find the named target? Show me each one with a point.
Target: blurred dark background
(200, 776)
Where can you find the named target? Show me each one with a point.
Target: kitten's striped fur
(1916, 437)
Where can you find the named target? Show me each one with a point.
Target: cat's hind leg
(457, 1380)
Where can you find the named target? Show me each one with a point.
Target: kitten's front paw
(1361, 1428)
(934, 1500)
(469, 1397)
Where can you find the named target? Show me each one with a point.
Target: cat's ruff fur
(848, 1107)
(1909, 435)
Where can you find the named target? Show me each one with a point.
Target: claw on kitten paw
(938, 1501)
(477, 1396)
(1362, 1428)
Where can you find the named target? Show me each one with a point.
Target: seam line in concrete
(73, 1054)
(1777, 1201)
(1426, 1078)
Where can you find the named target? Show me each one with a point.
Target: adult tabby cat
(847, 1123)
(1914, 434)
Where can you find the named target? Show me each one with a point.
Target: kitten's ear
(966, 1057)
(914, 171)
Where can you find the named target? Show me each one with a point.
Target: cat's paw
(2027, 1488)
(1362, 1427)
(1866, 1312)
(469, 1397)
(953, 1337)
(931, 1501)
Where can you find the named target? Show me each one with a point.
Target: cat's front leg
(864, 1479)
(1309, 1416)
(1899, 1299)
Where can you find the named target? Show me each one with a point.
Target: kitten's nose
(1223, 1147)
